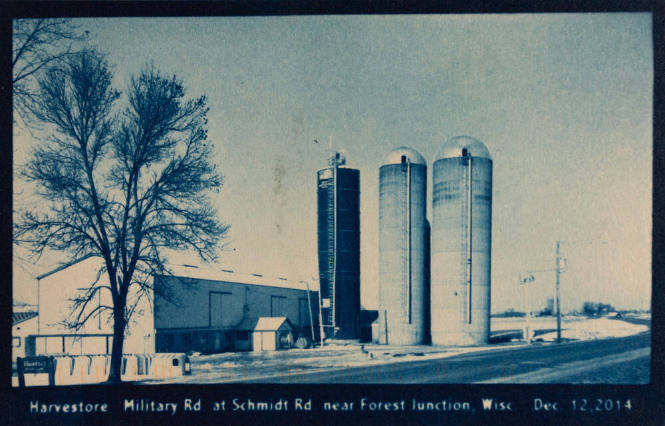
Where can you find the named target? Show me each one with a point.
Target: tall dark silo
(461, 243)
(402, 248)
(338, 204)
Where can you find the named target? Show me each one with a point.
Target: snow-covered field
(572, 327)
(597, 328)
(539, 323)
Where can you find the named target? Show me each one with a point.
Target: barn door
(220, 313)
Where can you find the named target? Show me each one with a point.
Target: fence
(89, 369)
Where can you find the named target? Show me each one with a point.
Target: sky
(563, 102)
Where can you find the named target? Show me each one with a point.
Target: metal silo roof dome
(395, 156)
(455, 147)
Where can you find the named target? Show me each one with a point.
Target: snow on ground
(226, 367)
(573, 327)
(538, 323)
(596, 328)
(334, 356)
(220, 368)
(646, 316)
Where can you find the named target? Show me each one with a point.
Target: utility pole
(469, 253)
(558, 294)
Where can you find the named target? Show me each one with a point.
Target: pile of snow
(599, 328)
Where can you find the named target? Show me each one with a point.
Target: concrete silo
(338, 206)
(461, 243)
(402, 248)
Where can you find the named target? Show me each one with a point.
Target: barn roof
(212, 273)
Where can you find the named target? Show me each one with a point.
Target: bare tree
(123, 187)
(36, 45)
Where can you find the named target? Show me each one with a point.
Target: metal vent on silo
(461, 240)
(402, 248)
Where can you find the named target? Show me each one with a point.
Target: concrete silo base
(460, 339)
(388, 333)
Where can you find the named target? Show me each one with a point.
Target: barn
(196, 309)
(214, 310)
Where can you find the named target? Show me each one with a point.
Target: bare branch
(80, 320)
(38, 44)
(80, 303)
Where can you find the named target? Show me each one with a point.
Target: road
(540, 363)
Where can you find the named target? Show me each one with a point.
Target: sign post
(35, 365)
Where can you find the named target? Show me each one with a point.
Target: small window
(403, 159)
(16, 342)
(465, 153)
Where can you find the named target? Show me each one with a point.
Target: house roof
(19, 317)
(64, 266)
(271, 323)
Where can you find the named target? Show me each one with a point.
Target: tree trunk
(118, 340)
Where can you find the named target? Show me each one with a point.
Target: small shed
(272, 333)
